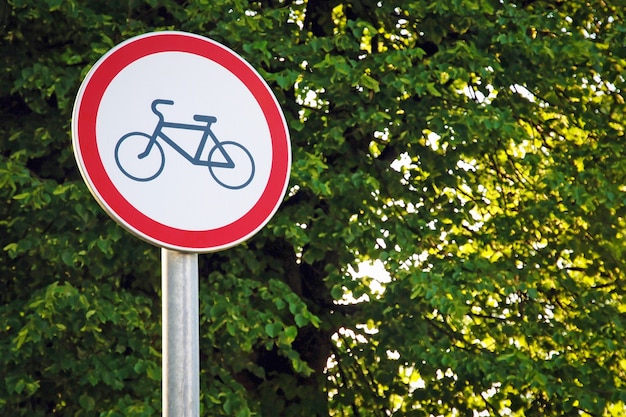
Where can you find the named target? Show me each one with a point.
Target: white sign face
(181, 141)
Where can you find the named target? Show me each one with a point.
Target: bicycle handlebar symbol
(140, 156)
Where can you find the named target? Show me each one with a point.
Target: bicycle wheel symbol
(129, 158)
(236, 177)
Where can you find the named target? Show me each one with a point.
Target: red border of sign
(86, 149)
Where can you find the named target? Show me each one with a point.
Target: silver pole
(181, 334)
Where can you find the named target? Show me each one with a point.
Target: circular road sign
(181, 141)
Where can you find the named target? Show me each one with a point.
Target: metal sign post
(181, 334)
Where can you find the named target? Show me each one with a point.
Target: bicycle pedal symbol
(140, 155)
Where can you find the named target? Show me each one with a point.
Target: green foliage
(473, 149)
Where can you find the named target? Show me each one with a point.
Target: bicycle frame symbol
(140, 156)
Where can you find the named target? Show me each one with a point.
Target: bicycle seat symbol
(140, 155)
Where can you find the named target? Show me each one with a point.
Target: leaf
(369, 83)
(301, 320)
(87, 402)
(273, 329)
(21, 196)
(288, 335)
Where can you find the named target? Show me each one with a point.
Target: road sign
(181, 141)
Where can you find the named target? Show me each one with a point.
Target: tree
(471, 148)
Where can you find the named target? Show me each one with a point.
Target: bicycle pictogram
(140, 155)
